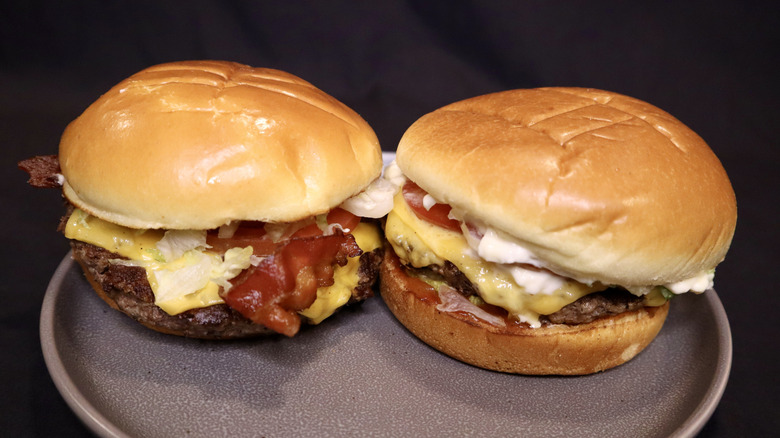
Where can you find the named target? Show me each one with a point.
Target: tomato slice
(438, 214)
(249, 233)
(253, 233)
(345, 219)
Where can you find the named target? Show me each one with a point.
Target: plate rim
(89, 415)
(711, 398)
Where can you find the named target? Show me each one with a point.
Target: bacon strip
(44, 171)
(285, 282)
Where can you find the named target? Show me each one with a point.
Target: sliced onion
(452, 301)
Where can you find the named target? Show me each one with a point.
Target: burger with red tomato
(546, 231)
(215, 200)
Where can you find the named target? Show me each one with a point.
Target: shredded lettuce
(156, 254)
(136, 263)
(228, 230)
(81, 217)
(194, 271)
(235, 261)
(279, 231)
(327, 229)
(666, 293)
(175, 273)
(189, 273)
(177, 242)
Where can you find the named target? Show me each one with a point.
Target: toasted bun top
(598, 185)
(194, 145)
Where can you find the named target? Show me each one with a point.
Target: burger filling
(493, 272)
(272, 274)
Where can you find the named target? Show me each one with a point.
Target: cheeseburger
(544, 231)
(214, 200)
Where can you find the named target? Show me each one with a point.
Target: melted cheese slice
(345, 277)
(140, 246)
(420, 243)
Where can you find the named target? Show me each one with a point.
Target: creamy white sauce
(377, 199)
(699, 283)
(393, 174)
(535, 282)
(494, 247)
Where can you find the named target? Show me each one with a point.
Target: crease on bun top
(603, 186)
(215, 74)
(197, 144)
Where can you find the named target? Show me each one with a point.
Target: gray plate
(362, 374)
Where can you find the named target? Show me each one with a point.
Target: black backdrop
(711, 64)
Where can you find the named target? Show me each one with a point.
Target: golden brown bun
(556, 349)
(598, 185)
(194, 145)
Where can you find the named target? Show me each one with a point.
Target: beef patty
(126, 289)
(586, 309)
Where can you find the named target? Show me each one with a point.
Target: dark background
(711, 64)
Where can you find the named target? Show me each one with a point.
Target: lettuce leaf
(175, 243)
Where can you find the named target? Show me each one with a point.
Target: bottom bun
(554, 349)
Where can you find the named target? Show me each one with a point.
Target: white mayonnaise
(699, 283)
(535, 282)
(494, 246)
(377, 199)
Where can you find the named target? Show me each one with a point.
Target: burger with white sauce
(207, 199)
(544, 231)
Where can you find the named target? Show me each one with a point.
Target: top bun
(599, 186)
(195, 145)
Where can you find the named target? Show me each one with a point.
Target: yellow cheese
(127, 242)
(420, 243)
(140, 247)
(345, 277)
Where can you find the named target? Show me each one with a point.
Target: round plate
(361, 373)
